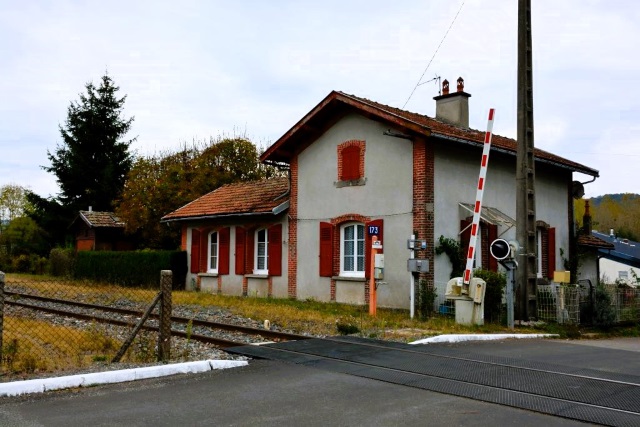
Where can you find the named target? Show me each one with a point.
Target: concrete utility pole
(525, 173)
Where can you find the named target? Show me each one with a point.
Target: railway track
(19, 300)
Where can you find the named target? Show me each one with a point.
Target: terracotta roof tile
(253, 197)
(101, 219)
(594, 242)
(439, 127)
(335, 103)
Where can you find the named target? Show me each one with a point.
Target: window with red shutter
(275, 250)
(223, 250)
(212, 260)
(195, 251)
(241, 237)
(326, 249)
(204, 250)
(250, 254)
(350, 163)
(352, 249)
(551, 245)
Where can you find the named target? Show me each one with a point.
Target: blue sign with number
(374, 230)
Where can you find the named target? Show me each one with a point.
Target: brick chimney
(453, 108)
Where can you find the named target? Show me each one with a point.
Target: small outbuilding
(100, 231)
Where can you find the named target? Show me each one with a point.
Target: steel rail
(220, 342)
(178, 319)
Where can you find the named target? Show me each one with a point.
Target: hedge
(136, 268)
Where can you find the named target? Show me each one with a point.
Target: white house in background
(620, 262)
(357, 166)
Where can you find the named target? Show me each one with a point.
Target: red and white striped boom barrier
(475, 224)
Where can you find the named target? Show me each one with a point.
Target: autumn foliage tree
(159, 184)
(620, 212)
(13, 203)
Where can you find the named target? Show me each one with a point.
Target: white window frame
(210, 255)
(354, 273)
(539, 253)
(264, 270)
(477, 259)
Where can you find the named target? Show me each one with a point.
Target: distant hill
(617, 197)
(620, 212)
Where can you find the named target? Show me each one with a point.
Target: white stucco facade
(385, 195)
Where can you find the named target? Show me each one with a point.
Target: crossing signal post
(504, 252)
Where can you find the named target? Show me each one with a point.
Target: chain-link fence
(624, 302)
(558, 303)
(57, 325)
(585, 303)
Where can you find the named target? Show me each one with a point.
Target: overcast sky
(195, 69)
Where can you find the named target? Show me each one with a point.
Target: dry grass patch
(320, 318)
(52, 347)
(84, 290)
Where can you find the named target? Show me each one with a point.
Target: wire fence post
(2, 276)
(164, 337)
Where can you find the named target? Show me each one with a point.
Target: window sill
(349, 278)
(207, 274)
(256, 276)
(350, 183)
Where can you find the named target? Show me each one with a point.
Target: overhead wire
(434, 55)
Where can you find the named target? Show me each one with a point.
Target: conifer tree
(92, 163)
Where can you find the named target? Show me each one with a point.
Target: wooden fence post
(164, 337)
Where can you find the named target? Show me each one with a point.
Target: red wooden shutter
(465, 236)
(241, 238)
(350, 163)
(204, 250)
(223, 250)
(250, 253)
(274, 249)
(183, 237)
(367, 243)
(551, 244)
(195, 251)
(326, 249)
(493, 235)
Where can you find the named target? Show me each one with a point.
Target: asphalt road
(267, 393)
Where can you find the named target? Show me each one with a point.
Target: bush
(38, 265)
(21, 264)
(5, 261)
(426, 298)
(139, 268)
(603, 313)
(496, 284)
(61, 262)
(456, 255)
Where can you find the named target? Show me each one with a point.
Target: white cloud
(209, 67)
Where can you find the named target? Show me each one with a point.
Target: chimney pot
(445, 87)
(460, 84)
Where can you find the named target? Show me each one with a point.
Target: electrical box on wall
(416, 244)
(418, 265)
(378, 267)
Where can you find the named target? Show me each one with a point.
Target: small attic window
(351, 162)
